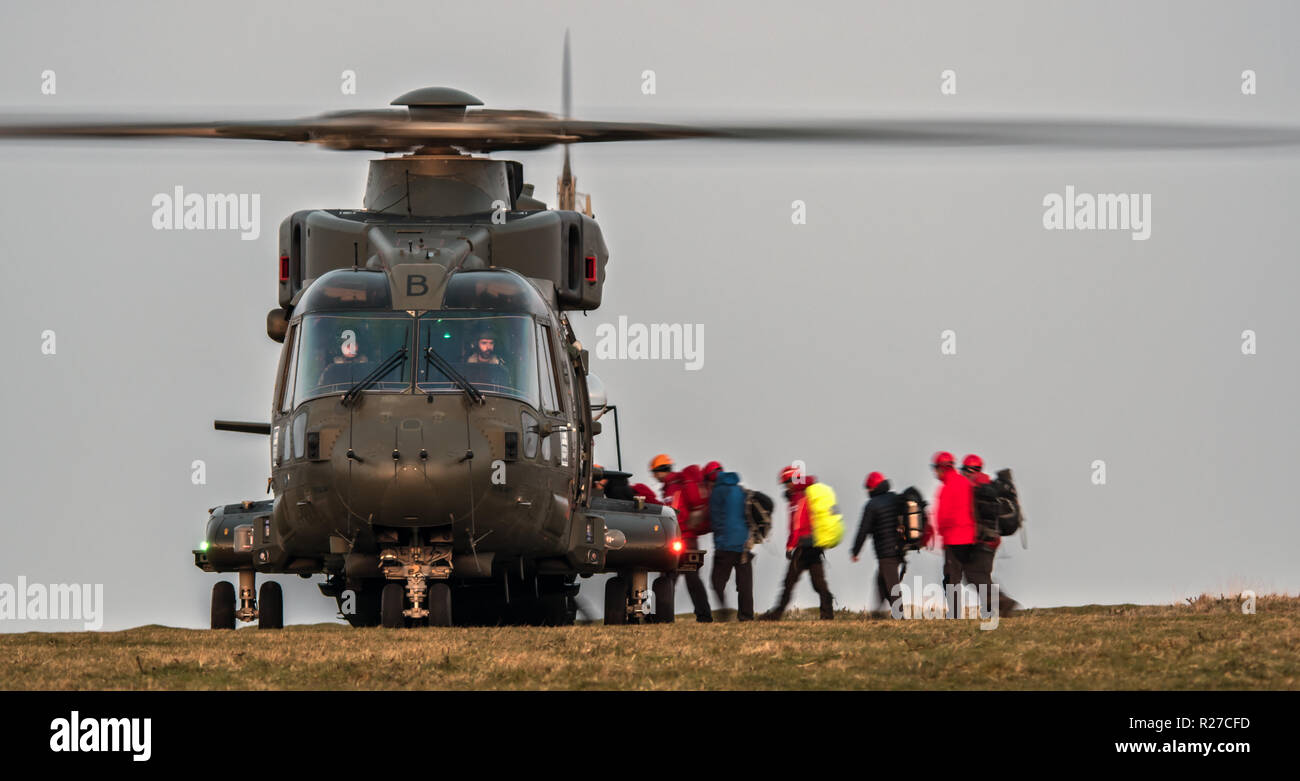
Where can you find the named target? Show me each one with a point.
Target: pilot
(485, 350)
(347, 365)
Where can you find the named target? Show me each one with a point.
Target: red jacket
(694, 476)
(954, 514)
(800, 518)
(681, 491)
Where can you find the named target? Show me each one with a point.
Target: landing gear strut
(627, 600)
(409, 570)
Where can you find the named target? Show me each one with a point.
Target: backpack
(827, 523)
(997, 507)
(758, 514)
(912, 519)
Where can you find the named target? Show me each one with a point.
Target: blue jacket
(727, 514)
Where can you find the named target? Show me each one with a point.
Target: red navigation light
(591, 268)
(677, 546)
(284, 268)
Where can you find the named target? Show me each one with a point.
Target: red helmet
(972, 463)
(874, 479)
(791, 474)
(942, 458)
(711, 470)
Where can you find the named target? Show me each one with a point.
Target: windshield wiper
(446, 368)
(390, 363)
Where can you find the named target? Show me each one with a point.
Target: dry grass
(1205, 644)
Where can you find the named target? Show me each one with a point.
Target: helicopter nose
(408, 472)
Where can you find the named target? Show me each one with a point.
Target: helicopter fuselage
(431, 420)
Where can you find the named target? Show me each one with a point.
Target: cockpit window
(496, 353)
(492, 291)
(336, 351)
(343, 290)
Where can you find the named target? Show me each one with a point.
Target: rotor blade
(566, 96)
(566, 192)
(1022, 132)
(486, 130)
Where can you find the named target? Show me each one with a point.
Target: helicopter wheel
(270, 606)
(392, 602)
(223, 605)
(664, 588)
(557, 604)
(615, 601)
(440, 604)
(554, 609)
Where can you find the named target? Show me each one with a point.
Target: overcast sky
(822, 341)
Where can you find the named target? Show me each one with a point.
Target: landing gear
(615, 601)
(247, 600)
(627, 600)
(416, 569)
(557, 601)
(270, 602)
(664, 589)
(395, 614)
(223, 605)
(392, 605)
(440, 604)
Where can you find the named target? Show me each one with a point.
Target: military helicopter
(433, 414)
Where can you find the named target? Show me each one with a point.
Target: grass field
(1207, 644)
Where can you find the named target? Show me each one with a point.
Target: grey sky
(821, 340)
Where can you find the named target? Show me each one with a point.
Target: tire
(270, 606)
(615, 601)
(664, 589)
(556, 610)
(392, 602)
(223, 605)
(558, 604)
(439, 604)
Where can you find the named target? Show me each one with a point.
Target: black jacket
(880, 520)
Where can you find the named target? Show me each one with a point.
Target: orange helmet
(942, 458)
(661, 463)
(791, 474)
(972, 463)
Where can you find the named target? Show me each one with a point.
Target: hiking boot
(770, 616)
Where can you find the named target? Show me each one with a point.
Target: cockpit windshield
(494, 352)
(497, 353)
(338, 350)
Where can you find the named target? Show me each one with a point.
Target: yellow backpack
(827, 523)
